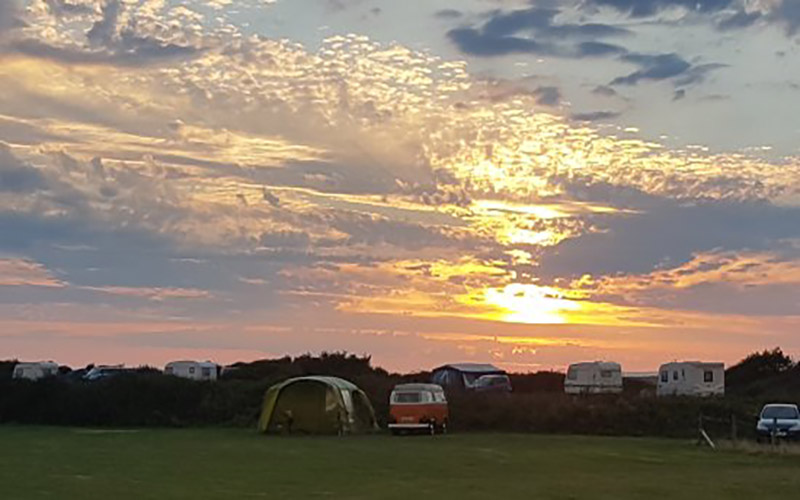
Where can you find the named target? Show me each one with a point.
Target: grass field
(234, 464)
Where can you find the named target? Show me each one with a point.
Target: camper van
(35, 371)
(418, 407)
(691, 378)
(597, 377)
(195, 370)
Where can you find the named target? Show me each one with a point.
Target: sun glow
(532, 304)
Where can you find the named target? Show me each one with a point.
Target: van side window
(708, 376)
(665, 377)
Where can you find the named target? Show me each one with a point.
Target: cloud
(787, 13)
(547, 96)
(17, 177)
(108, 41)
(500, 35)
(596, 116)
(449, 14)
(741, 19)
(10, 16)
(654, 67)
(667, 234)
(664, 67)
(646, 8)
(604, 90)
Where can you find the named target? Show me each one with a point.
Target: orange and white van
(418, 407)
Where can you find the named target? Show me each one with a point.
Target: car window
(780, 412)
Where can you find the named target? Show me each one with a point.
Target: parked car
(418, 407)
(779, 420)
(493, 383)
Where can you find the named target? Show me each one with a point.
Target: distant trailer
(691, 378)
(466, 376)
(597, 377)
(35, 371)
(195, 370)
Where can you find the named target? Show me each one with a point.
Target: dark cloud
(604, 90)
(472, 41)
(739, 20)
(102, 31)
(654, 67)
(449, 14)
(139, 52)
(667, 233)
(16, 176)
(547, 96)
(787, 13)
(533, 31)
(596, 116)
(599, 49)
(645, 8)
(10, 15)
(65, 7)
(697, 74)
(111, 44)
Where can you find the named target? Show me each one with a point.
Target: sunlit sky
(527, 183)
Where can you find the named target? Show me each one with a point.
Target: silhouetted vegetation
(145, 397)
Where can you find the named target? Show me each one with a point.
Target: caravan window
(606, 373)
(572, 374)
(191, 370)
(206, 372)
(675, 375)
(665, 377)
(708, 376)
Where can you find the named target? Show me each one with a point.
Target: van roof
(418, 387)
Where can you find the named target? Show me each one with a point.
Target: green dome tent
(316, 405)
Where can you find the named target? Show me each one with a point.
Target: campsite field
(225, 464)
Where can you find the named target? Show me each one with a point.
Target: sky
(526, 183)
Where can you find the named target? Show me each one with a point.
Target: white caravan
(691, 378)
(35, 371)
(597, 377)
(195, 370)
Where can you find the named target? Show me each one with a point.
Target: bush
(145, 397)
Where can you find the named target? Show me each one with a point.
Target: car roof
(780, 405)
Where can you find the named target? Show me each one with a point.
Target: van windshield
(780, 412)
(407, 397)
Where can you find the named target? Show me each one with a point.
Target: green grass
(237, 464)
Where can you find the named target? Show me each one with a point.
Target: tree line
(146, 397)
